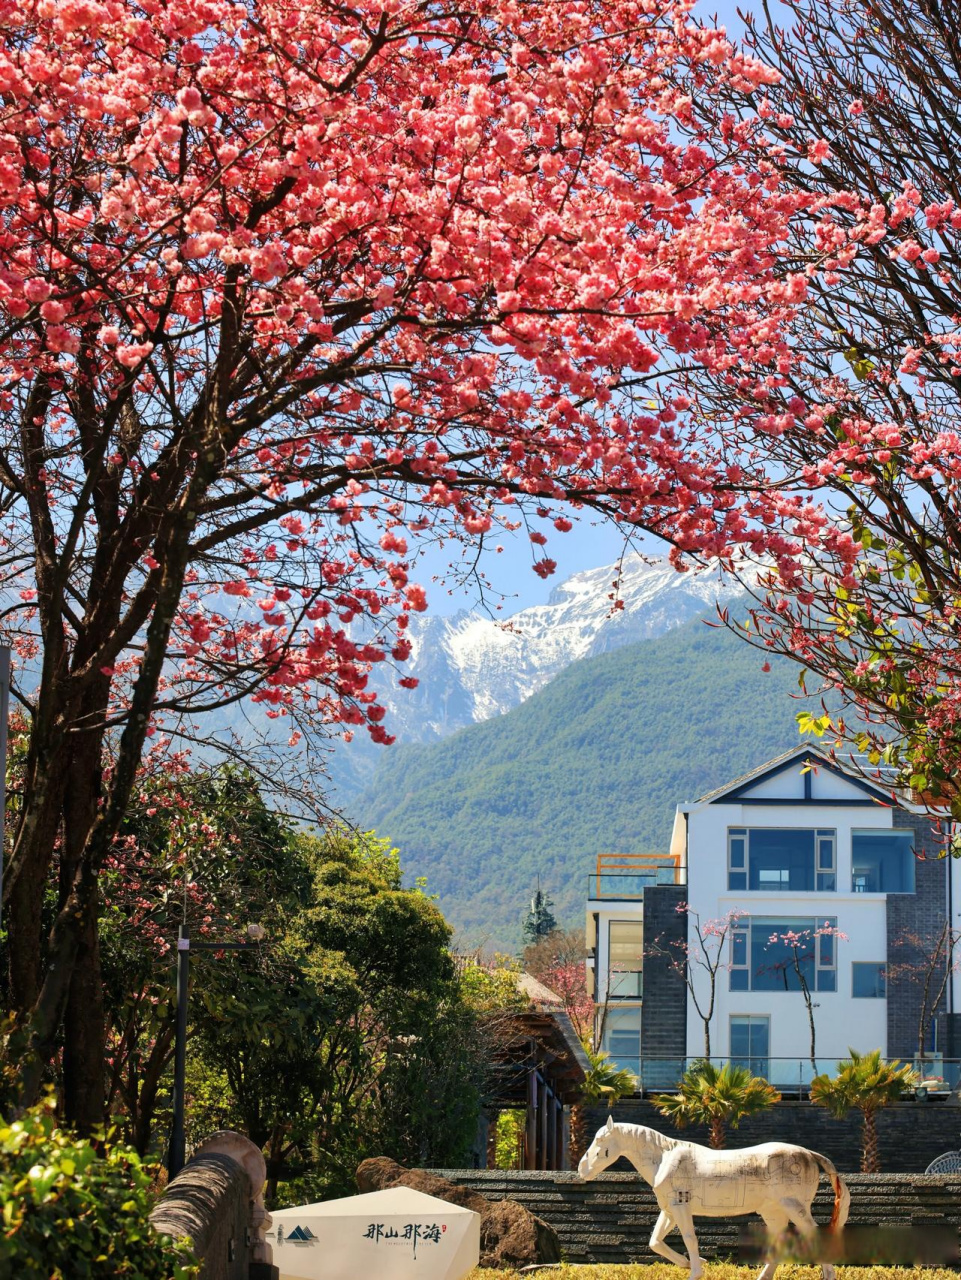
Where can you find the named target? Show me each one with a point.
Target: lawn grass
(718, 1271)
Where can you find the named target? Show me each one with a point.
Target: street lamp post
(185, 944)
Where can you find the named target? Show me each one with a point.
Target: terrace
(623, 877)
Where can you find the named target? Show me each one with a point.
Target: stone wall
(910, 1134)
(216, 1202)
(611, 1219)
(209, 1203)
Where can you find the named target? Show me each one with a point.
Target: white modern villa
(834, 882)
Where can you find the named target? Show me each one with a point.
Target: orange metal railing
(630, 863)
(624, 875)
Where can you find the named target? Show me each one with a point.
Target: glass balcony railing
(936, 1077)
(628, 885)
(625, 984)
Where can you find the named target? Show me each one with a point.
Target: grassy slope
(596, 761)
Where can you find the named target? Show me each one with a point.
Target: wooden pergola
(539, 1067)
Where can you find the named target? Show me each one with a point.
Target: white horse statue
(775, 1180)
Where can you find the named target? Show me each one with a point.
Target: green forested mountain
(596, 761)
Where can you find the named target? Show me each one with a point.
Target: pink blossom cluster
(328, 281)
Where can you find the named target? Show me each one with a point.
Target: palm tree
(606, 1082)
(866, 1084)
(717, 1097)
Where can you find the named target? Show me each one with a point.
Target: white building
(819, 879)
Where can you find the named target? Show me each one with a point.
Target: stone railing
(216, 1202)
(610, 1220)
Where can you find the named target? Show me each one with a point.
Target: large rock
(511, 1236)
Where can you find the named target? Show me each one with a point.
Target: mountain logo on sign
(299, 1235)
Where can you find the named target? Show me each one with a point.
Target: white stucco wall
(840, 1020)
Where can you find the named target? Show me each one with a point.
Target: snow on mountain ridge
(472, 667)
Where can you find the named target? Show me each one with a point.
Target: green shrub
(70, 1211)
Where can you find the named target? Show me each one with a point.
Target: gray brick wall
(949, 1034)
(610, 1220)
(664, 1009)
(920, 915)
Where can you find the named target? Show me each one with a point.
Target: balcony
(790, 1076)
(623, 877)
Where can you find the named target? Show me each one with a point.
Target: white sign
(397, 1234)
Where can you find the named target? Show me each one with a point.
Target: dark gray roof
(802, 751)
(761, 768)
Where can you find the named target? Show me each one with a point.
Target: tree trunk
(814, 1061)
(809, 1005)
(579, 1136)
(25, 881)
(707, 1039)
(22, 918)
(160, 1056)
(491, 1153)
(717, 1133)
(870, 1157)
(274, 1160)
(81, 901)
(84, 1030)
(84, 1066)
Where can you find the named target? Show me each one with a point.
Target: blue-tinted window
(626, 958)
(773, 965)
(772, 953)
(827, 881)
(783, 951)
(882, 862)
(622, 1037)
(868, 980)
(781, 859)
(736, 858)
(750, 1043)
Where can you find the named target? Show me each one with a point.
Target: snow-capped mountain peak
(471, 667)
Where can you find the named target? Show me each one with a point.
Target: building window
(751, 1044)
(765, 956)
(868, 980)
(625, 959)
(827, 876)
(622, 1037)
(781, 859)
(740, 943)
(736, 858)
(882, 862)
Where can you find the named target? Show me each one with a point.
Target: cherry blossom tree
(862, 419)
(569, 981)
(801, 960)
(700, 958)
(288, 289)
(558, 960)
(925, 960)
